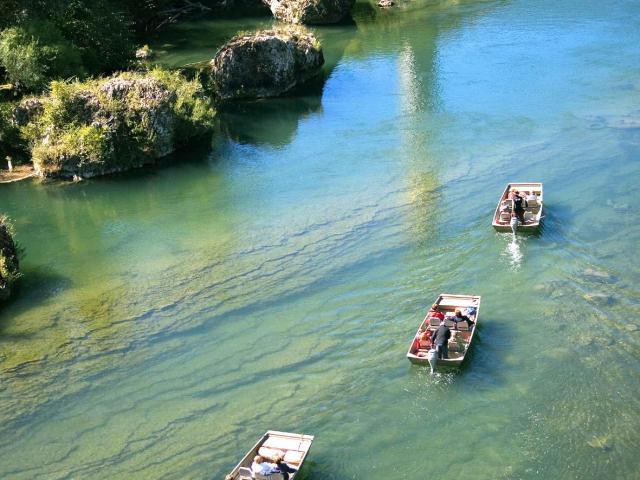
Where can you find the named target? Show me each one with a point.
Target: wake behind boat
(462, 332)
(532, 194)
(291, 447)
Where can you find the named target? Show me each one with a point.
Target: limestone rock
(26, 111)
(310, 12)
(9, 265)
(115, 124)
(267, 63)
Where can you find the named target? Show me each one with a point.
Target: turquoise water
(274, 279)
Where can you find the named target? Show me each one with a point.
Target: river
(274, 279)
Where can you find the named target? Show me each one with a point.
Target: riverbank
(19, 172)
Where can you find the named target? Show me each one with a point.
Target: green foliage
(11, 142)
(86, 146)
(192, 107)
(100, 30)
(43, 40)
(9, 264)
(110, 124)
(32, 55)
(22, 58)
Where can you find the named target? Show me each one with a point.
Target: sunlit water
(274, 280)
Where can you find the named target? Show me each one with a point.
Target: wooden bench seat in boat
(271, 453)
(289, 456)
(287, 443)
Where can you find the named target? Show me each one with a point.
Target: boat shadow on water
(35, 286)
(485, 359)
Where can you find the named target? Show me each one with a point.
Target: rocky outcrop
(27, 110)
(115, 124)
(9, 265)
(267, 63)
(311, 12)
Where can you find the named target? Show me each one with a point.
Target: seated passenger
(261, 466)
(415, 346)
(459, 317)
(421, 341)
(434, 312)
(425, 340)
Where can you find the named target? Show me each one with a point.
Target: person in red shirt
(434, 312)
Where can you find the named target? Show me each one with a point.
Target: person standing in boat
(519, 204)
(441, 340)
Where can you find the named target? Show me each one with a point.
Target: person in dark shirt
(459, 317)
(441, 340)
(519, 203)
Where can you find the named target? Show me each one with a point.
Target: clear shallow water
(274, 280)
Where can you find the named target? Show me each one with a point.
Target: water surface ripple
(273, 281)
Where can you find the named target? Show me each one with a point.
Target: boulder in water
(311, 12)
(267, 63)
(114, 124)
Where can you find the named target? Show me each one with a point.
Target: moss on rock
(266, 63)
(9, 264)
(117, 123)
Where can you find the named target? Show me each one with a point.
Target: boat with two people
(290, 448)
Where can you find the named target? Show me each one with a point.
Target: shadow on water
(483, 359)
(36, 286)
(271, 122)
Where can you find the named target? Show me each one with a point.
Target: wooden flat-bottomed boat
(293, 447)
(533, 193)
(462, 333)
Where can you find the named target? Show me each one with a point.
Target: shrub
(23, 59)
(35, 54)
(11, 143)
(116, 123)
(100, 29)
(9, 264)
(192, 107)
